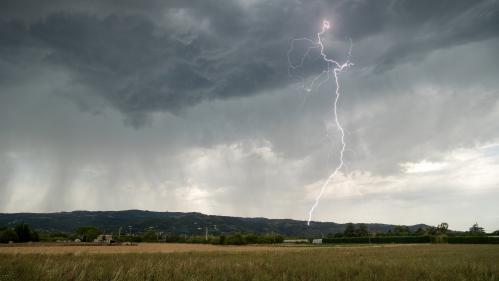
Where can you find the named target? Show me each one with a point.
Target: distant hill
(176, 222)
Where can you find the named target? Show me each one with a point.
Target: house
(295, 241)
(104, 238)
(317, 241)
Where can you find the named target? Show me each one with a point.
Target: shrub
(174, 238)
(439, 238)
(126, 238)
(473, 240)
(34, 236)
(88, 233)
(235, 239)
(221, 240)
(149, 236)
(23, 232)
(8, 235)
(386, 239)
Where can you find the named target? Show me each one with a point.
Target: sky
(189, 106)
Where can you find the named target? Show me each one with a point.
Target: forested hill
(175, 222)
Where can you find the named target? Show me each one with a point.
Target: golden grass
(61, 248)
(207, 262)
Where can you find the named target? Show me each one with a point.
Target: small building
(104, 238)
(317, 241)
(296, 241)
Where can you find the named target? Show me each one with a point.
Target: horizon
(225, 108)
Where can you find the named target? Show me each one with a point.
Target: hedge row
(415, 239)
(386, 239)
(473, 240)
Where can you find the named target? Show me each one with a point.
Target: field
(207, 262)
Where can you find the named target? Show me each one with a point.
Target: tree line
(19, 233)
(229, 239)
(24, 233)
(361, 230)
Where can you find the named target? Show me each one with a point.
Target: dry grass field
(54, 248)
(207, 262)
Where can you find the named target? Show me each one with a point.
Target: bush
(8, 235)
(416, 239)
(252, 238)
(126, 238)
(243, 239)
(149, 236)
(23, 232)
(54, 236)
(88, 233)
(473, 240)
(198, 240)
(269, 239)
(235, 239)
(386, 239)
(174, 238)
(439, 238)
(34, 236)
(221, 241)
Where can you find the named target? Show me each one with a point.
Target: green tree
(401, 230)
(251, 238)
(173, 237)
(349, 230)
(362, 231)
(222, 240)
(431, 230)
(34, 236)
(149, 236)
(476, 229)
(235, 239)
(442, 228)
(420, 231)
(88, 233)
(23, 232)
(8, 235)
(278, 239)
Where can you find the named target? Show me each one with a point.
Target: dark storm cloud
(165, 55)
(423, 88)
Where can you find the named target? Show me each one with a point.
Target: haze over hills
(176, 222)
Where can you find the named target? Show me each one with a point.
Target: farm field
(60, 248)
(208, 262)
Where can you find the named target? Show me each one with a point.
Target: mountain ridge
(190, 223)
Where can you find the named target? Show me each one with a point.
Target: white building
(295, 241)
(104, 238)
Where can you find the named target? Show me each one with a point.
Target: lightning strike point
(326, 24)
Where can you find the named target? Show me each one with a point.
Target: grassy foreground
(407, 262)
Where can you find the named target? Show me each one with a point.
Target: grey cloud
(138, 59)
(422, 110)
(6, 170)
(208, 75)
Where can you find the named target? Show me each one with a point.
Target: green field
(405, 262)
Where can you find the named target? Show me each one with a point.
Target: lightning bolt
(334, 68)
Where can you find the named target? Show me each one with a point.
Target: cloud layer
(189, 106)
